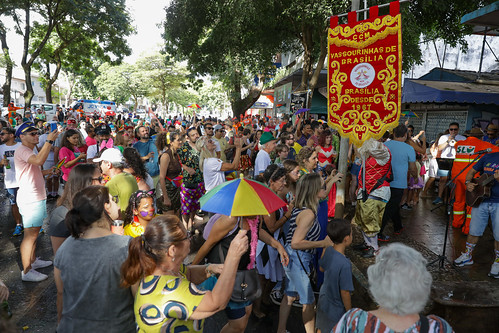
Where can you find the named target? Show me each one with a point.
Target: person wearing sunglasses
(209, 133)
(447, 150)
(32, 198)
(80, 177)
(7, 150)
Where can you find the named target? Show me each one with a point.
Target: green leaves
(154, 76)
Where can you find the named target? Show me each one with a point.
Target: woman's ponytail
(140, 262)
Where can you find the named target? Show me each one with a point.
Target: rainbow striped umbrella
(241, 197)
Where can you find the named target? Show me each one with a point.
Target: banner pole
(343, 160)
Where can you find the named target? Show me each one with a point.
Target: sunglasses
(187, 237)
(208, 128)
(453, 129)
(99, 179)
(2, 134)
(33, 133)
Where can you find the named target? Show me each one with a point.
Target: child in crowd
(282, 152)
(140, 211)
(415, 185)
(334, 296)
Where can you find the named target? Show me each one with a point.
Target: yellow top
(134, 229)
(165, 303)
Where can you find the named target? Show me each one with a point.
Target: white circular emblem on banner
(362, 75)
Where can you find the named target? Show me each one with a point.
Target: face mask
(144, 214)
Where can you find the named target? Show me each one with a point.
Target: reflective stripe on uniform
(458, 212)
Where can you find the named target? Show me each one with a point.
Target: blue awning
(485, 19)
(485, 16)
(423, 91)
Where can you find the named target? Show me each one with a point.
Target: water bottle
(6, 310)
(7, 166)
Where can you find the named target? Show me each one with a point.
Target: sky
(146, 15)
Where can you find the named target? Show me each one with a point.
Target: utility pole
(342, 162)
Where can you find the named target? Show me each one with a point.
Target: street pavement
(34, 304)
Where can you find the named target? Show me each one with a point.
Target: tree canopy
(236, 40)
(230, 40)
(154, 76)
(105, 21)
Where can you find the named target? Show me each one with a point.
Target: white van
(93, 106)
(49, 110)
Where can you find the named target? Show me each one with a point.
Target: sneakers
(494, 270)
(465, 259)
(383, 238)
(360, 247)
(33, 276)
(276, 296)
(18, 230)
(406, 207)
(437, 201)
(369, 253)
(39, 263)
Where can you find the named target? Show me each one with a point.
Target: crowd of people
(127, 192)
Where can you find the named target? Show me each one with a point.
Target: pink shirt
(90, 141)
(29, 177)
(69, 155)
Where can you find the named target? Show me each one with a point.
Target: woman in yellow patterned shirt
(168, 299)
(140, 211)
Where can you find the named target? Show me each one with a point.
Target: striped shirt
(313, 233)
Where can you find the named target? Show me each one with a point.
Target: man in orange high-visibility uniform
(465, 153)
(12, 113)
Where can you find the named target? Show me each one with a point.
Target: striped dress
(312, 235)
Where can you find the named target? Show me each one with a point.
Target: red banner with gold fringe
(364, 74)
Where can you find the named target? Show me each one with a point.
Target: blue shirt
(337, 277)
(151, 164)
(402, 155)
(489, 164)
(490, 140)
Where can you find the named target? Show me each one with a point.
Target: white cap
(112, 155)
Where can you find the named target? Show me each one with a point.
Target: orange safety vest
(465, 153)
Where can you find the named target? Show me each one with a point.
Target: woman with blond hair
(213, 168)
(302, 240)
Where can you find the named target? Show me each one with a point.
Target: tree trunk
(240, 105)
(48, 86)
(51, 80)
(320, 63)
(308, 46)
(70, 81)
(8, 70)
(25, 63)
(28, 94)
